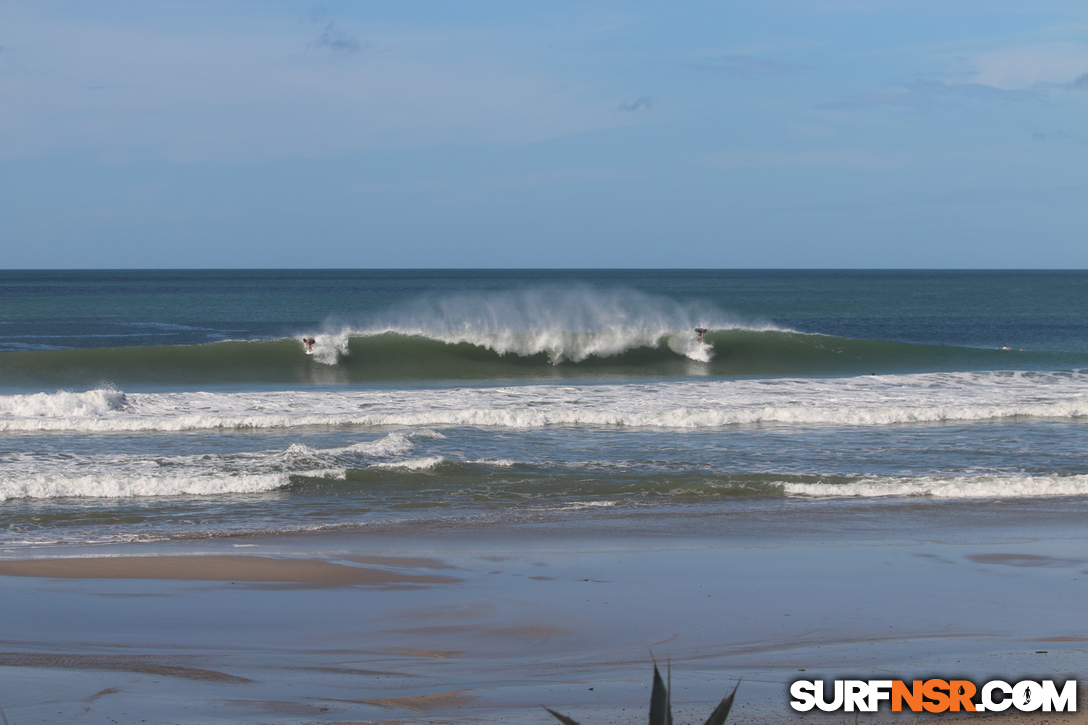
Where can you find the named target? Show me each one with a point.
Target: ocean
(180, 405)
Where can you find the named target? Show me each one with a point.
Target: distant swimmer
(1006, 347)
(309, 342)
(702, 331)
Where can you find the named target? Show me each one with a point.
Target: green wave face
(392, 356)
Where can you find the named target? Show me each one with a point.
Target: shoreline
(487, 625)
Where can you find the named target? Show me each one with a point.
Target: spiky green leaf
(660, 712)
(562, 718)
(721, 712)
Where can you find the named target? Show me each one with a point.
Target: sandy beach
(226, 568)
(487, 628)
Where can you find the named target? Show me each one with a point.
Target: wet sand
(473, 628)
(216, 568)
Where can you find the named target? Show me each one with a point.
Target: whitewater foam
(412, 464)
(127, 476)
(951, 487)
(584, 505)
(860, 401)
(106, 485)
(392, 444)
(89, 404)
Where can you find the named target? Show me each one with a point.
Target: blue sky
(845, 133)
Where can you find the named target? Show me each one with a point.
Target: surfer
(1006, 346)
(309, 342)
(701, 331)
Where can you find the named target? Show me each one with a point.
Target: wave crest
(89, 404)
(567, 324)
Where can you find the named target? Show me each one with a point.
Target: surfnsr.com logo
(935, 695)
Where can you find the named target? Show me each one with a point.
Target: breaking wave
(540, 333)
(132, 476)
(859, 401)
(403, 356)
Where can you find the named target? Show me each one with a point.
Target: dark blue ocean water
(163, 404)
(1037, 310)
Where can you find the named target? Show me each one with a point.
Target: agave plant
(661, 705)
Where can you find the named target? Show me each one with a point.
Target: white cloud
(1025, 66)
(205, 92)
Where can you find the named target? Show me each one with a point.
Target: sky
(725, 134)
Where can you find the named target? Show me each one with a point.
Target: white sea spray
(570, 323)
